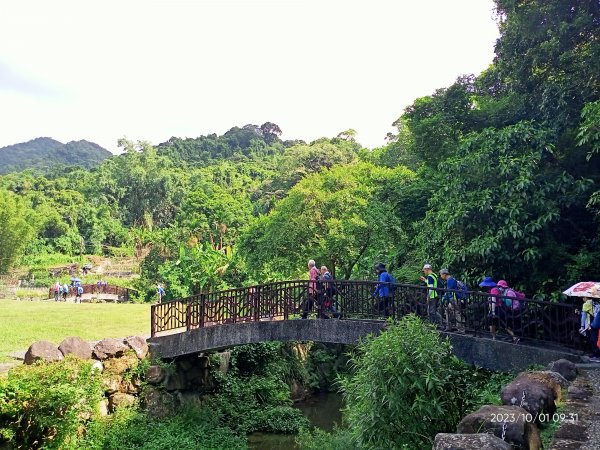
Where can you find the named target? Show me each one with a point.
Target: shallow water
(323, 411)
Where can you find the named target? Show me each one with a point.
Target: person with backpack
(510, 309)
(57, 289)
(451, 302)
(79, 293)
(489, 285)
(590, 325)
(384, 290)
(328, 293)
(65, 292)
(433, 294)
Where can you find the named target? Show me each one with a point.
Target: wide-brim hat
(487, 282)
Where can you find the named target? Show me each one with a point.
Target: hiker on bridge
(382, 291)
(496, 307)
(451, 303)
(433, 293)
(311, 299)
(328, 292)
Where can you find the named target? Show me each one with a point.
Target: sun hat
(444, 272)
(427, 266)
(502, 283)
(487, 282)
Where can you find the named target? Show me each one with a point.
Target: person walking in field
(57, 289)
(433, 295)
(161, 292)
(79, 293)
(65, 292)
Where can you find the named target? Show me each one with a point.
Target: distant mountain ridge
(43, 153)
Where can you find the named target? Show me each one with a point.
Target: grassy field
(23, 322)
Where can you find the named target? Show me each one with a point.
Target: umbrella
(76, 280)
(584, 289)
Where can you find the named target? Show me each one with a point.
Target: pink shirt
(312, 276)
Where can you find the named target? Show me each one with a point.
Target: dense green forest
(45, 153)
(497, 174)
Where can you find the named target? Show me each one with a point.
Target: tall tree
(15, 230)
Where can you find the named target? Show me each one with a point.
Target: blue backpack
(463, 288)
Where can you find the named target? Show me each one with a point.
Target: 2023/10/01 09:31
(540, 417)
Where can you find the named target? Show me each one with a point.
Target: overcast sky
(151, 70)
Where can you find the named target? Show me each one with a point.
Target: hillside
(43, 153)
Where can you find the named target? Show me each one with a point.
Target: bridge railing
(536, 320)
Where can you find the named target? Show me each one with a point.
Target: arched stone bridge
(272, 312)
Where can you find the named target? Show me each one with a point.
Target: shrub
(407, 387)
(190, 429)
(339, 439)
(279, 419)
(47, 404)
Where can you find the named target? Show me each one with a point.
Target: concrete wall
(481, 352)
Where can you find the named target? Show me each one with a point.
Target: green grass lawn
(24, 322)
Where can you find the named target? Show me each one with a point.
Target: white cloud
(151, 70)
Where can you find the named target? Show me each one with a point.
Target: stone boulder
(481, 441)
(42, 351)
(175, 381)
(109, 348)
(155, 374)
(77, 347)
(111, 383)
(565, 367)
(508, 421)
(103, 408)
(121, 365)
(120, 399)
(158, 403)
(531, 394)
(138, 345)
(553, 380)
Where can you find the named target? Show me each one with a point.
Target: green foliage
(339, 439)
(44, 405)
(407, 379)
(190, 429)
(497, 223)
(198, 269)
(254, 395)
(339, 217)
(15, 229)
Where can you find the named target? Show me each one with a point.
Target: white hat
(427, 266)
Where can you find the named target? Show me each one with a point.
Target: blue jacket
(450, 284)
(383, 290)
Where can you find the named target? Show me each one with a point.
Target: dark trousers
(309, 304)
(384, 306)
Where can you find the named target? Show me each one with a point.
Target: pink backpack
(511, 299)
